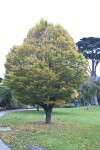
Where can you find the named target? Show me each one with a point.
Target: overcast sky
(81, 18)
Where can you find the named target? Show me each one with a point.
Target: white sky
(81, 18)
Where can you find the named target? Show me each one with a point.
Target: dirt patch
(52, 124)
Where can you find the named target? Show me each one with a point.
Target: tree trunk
(94, 101)
(48, 112)
(93, 78)
(37, 108)
(93, 72)
(87, 106)
(48, 117)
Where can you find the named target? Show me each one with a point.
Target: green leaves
(46, 66)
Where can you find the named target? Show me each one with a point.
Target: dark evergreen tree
(90, 48)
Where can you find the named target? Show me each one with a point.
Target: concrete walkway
(2, 113)
(3, 146)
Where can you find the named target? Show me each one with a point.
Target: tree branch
(96, 63)
(89, 69)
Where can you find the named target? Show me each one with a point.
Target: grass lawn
(72, 129)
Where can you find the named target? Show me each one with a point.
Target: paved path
(3, 146)
(2, 113)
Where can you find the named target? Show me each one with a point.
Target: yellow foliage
(46, 65)
(40, 26)
(61, 103)
(74, 94)
(57, 102)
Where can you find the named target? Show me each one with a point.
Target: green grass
(72, 129)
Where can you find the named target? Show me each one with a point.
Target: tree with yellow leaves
(46, 69)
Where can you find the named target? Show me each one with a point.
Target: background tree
(98, 90)
(46, 69)
(7, 100)
(98, 97)
(90, 48)
(5, 97)
(87, 91)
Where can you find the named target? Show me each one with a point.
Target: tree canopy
(90, 48)
(46, 69)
